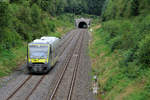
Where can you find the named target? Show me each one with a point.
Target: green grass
(119, 79)
(11, 59)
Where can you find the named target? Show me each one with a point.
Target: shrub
(113, 81)
(132, 70)
(129, 55)
(10, 39)
(143, 53)
(138, 95)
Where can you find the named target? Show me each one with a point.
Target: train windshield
(38, 51)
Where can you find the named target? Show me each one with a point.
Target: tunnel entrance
(82, 25)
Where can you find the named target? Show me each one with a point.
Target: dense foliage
(29, 19)
(124, 64)
(84, 6)
(19, 22)
(130, 30)
(114, 9)
(25, 21)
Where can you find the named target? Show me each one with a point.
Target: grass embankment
(11, 59)
(120, 58)
(15, 57)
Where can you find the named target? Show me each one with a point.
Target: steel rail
(27, 79)
(35, 87)
(63, 72)
(75, 72)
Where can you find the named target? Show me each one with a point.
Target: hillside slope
(121, 50)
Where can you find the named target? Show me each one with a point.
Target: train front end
(38, 58)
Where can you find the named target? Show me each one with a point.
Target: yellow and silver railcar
(42, 54)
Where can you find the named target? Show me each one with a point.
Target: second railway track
(74, 54)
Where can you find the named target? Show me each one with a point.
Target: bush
(10, 38)
(138, 95)
(132, 70)
(115, 43)
(25, 21)
(129, 55)
(143, 53)
(113, 81)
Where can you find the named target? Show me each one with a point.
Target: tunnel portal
(82, 25)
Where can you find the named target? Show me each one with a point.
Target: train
(42, 54)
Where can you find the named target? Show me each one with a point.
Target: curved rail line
(40, 80)
(63, 72)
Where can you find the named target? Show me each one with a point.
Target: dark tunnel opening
(83, 25)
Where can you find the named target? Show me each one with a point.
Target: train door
(54, 54)
(50, 56)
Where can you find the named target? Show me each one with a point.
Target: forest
(121, 44)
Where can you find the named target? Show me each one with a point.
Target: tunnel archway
(82, 25)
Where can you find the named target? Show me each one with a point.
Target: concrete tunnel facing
(82, 23)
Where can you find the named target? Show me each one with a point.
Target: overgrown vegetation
(114, 9)
(20, 23)
(121, 50)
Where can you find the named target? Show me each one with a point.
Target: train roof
(44, 40)
(48, 37)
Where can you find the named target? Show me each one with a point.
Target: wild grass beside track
(11, 59)
(117, 81)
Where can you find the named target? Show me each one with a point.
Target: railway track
(64, 45)
(74, 73)
(37, 84)
(68, 35)
(75, 52)
(28, 78)
(72, 85)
